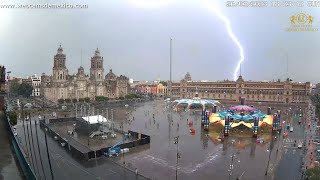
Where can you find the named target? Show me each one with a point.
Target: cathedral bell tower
(96, 70)
(60, 71)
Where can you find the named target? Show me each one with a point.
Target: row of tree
(316, 101)
(74, 100)
(98, 98)
(314, 173)
(17, 89)
(13, 117)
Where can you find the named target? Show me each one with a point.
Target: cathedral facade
(62, 85)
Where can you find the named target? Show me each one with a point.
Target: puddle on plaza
(199, 151)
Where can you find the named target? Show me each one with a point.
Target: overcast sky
(133, 36)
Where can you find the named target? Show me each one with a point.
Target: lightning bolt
(233, 37)
(227, 23)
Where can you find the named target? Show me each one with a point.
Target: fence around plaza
(81, 152)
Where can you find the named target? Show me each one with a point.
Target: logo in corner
(301, 22)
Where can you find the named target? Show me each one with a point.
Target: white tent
(95, 119)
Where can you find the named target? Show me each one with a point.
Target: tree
(163, 83)
(101, 98)
(13, 117)
(121, 98)
(81, 99)
(86, 99)
(74, 100)
(313, 173)
(60, 101)
(25, 90)
(22, 89)
(132, 95)
(67, 100)
(13, 87)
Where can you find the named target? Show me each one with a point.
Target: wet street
(201, 156)
(292, 157)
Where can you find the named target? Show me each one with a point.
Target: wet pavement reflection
(202, 156)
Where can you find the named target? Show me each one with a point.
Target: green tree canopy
(60, 101)
(22, 89)
(164, 83)
(313, 173)
(86, 99)
(67, 100)
(101, 98)
(13, 117)
(132, 95)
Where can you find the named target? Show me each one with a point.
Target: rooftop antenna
(81, 57)
(171, 69)
(287, 67)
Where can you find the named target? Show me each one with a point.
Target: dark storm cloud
(135, 41)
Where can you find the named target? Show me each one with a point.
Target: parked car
(291, 129)
(300, 145)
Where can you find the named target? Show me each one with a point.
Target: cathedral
(62, 85)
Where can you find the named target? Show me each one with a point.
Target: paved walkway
(311, 146)
(8, 167)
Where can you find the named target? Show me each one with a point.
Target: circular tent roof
(196, 101)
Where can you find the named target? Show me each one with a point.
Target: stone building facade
(279, 92)
(61, 85)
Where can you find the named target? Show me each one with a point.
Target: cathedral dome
(111, 75)
(97, 52)
(60, 50)
(187, 77)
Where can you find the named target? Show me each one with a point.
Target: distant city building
(36, 83)
(27, 80)
(2, 81)
(155, 89)
(316, 89)
(61, 85)
(280, 92)
(2, 87)
(187, 77)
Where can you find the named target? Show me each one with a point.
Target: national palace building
(280, 92)
(62, 85)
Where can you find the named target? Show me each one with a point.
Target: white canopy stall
(95, 119)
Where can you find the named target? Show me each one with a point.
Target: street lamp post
(35, 156)
(45, 137)
(170, 87)
(24, 129)
(39, 147)
(278, 140)
(176, 141)
(124, 162)
(231, 165)
(268, 160)
(29, 143)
